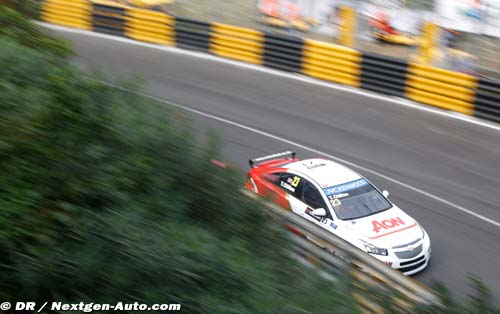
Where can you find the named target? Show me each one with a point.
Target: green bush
(14, 25)
(28, 8)
(108, 197)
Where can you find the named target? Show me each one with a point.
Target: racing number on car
(387, 224)
(335, 201)
(295, 182)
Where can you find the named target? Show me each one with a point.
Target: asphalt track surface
(452, 159)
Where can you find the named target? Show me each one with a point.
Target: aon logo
(387, 224)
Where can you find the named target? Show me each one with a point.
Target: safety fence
(283, 52)
(425, 84)
(192, 34)
(77, 14)
(383, 74)
(150, 26)
(487, 102)
(441, 88)
(243, 44)
(108, 18)
(331, 62)
(375, 284)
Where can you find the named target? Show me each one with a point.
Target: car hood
(387, 229)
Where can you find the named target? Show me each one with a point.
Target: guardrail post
(348, 27)
(428, 43)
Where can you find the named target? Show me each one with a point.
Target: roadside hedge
(108, 197)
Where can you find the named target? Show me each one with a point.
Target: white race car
(344, 203)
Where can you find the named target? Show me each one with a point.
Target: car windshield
(356, 199)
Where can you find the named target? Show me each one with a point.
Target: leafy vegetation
(108, 197)
(28, 8)
(15, 26)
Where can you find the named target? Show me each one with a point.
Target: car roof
(325, 172)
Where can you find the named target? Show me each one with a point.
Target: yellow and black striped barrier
(340, 64)
(150, 26)
(331, 62)
(383, 74)
(192, 34)
(243, 44)
(72, 13)
(283, 52)
(441, 88)
(108, 17)
(487, 102)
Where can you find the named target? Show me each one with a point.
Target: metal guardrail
(335, 255)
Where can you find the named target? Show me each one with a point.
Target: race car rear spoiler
(253, 162)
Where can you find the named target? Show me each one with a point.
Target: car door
(282, 188)
(302, 197)
(292, 184)
(269, 187)
(312, 198)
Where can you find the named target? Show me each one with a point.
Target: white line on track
(293, 76)
(284, 140)
(315, 151)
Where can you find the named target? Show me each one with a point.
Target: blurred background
(466, 38)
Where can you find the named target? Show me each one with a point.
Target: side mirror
(385, 193)
(319, 212)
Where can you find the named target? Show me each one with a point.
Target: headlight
(375, 250)
(423, 231)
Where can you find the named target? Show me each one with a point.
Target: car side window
(288, 182)
(274, 178)
(312, 197)
(291, 183)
